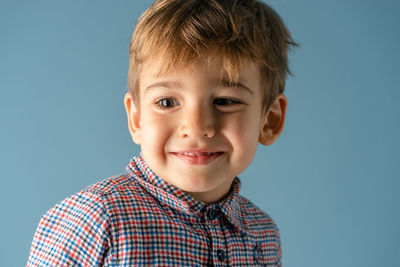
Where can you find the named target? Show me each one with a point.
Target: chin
(196, 184)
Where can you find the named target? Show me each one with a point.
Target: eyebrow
(167, 84)
(238, 85)
(176, 84)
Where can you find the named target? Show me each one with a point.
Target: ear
(273, 121)
(133, 115)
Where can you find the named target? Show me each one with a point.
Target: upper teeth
(197, 154)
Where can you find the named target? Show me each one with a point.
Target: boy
(205, 86)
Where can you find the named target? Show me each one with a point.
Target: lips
(196, 154)
(198, 157)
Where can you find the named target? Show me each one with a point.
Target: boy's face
(196, 131)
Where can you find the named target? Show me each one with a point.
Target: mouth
(198, 158)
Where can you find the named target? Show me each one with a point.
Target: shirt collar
(180, 200)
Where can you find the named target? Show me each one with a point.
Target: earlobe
(274, 121)
(133, 116)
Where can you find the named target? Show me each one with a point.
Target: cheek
(246, 126)
(155, 132)
(243, 133)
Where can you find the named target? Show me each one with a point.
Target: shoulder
(91, 203)
(77, 230)
(117, 192)
(80, 228)
(97, 195)
(257, 221)
(111, 185)
(95, 204)
(263, 231)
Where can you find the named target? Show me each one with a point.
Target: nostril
(208, 132)
(196, 129)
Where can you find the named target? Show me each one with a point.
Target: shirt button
(258, 254)
(221, 255)
(212, 214)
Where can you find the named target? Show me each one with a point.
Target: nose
(197, 122)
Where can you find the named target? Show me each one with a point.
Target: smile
(199, 158)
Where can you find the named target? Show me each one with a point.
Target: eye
(226, 102)
(167, 102)
(228, 105)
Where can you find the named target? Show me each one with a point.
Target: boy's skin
(196, 112)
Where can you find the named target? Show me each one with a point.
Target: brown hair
(176, 33)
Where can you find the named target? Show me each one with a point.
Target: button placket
(258, 253)
(215, 221)
(221, 255)
(212, 214)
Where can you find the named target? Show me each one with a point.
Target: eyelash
(230, 100)
(170, 102)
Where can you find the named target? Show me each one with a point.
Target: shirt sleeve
(75, 232)
(279, 251)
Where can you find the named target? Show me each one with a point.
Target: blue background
(330, 182)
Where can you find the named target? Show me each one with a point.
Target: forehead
(211, 69)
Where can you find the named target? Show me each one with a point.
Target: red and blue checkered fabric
(139, 219)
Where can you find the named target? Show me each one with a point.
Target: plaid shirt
(139, 219)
